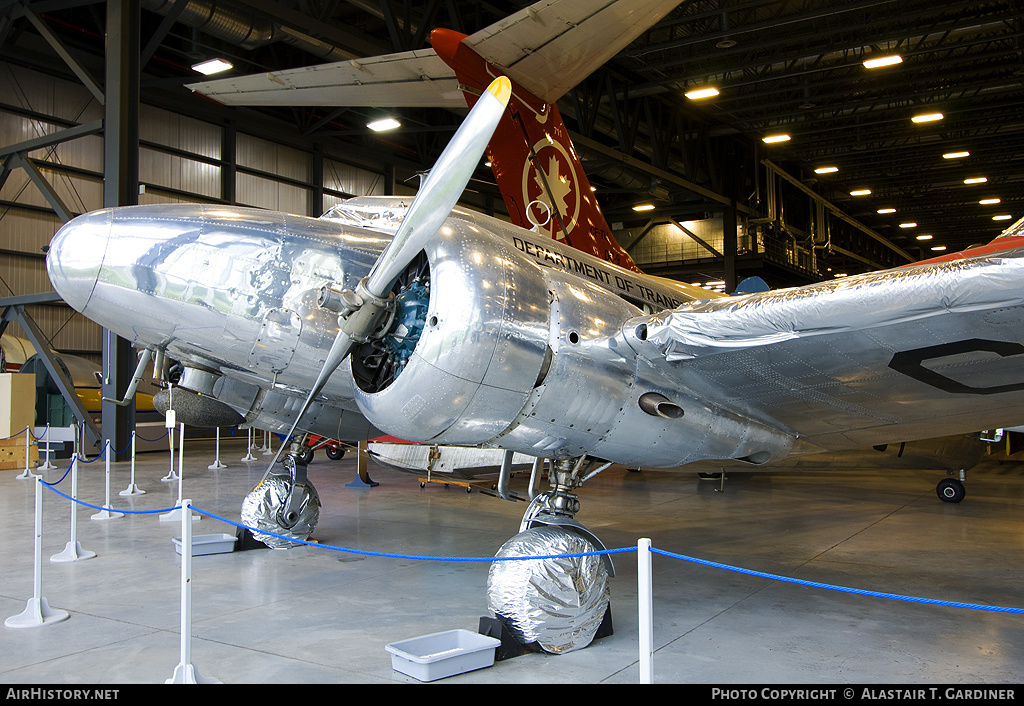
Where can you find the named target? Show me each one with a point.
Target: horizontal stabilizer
(546, 48)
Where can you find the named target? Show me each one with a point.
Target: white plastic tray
(442, 654)
(209, 544)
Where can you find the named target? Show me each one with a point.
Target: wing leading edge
(917, 352)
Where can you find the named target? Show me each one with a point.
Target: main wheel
(950, 490)
(261, 508)
(557, 603)
(335, 453)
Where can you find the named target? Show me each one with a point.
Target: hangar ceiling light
(883, 61)
(212, 66)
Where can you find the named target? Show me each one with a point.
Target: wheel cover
(557, 603)
(261, 506)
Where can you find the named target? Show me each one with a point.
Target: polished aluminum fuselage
(522, 347)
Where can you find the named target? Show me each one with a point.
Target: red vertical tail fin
(536, 166)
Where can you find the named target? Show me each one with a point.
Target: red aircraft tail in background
(534, 161)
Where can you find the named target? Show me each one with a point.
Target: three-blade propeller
(363, 310)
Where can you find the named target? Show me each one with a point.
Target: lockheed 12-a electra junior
(431, 323)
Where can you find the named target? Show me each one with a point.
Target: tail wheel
(950, 490)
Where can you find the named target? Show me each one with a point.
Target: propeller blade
(432, 205)
(442, 188)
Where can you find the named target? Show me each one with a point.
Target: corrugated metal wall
(180, 161)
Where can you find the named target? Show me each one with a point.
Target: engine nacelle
(532, 359)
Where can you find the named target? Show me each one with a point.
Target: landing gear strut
(559, 604)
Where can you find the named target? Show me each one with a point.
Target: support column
(316, 180)
(120, 188)
(729, 247)
(229, 163)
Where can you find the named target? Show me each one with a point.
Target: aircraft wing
(546, 48)
(917, 352)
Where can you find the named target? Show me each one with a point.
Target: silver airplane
(435, 324)
(545, 49)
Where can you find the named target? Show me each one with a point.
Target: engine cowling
(524, 357)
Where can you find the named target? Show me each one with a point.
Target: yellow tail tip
(501, 88)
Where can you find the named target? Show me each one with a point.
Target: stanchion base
(188, 674)
(106, 514)
(72, 552)
(37, 614)
(170, 477)
(28, 475)
(249, 457)
(46, 466)
(216, 465)
(132, 489)
(175, 516)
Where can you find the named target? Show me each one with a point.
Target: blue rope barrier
(622, 550)
(831, 587)
(417, 557)
(94, 507)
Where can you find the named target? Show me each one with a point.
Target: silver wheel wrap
(557, 603)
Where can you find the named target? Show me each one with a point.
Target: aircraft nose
(75, 257)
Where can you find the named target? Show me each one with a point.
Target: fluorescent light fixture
(956, 155)
(908, 225)
(699, 93)
(886, 210)
(924, 237)
(717, 283)
(939, 248)
(383, 124)
(775, 138)
(927, 118)
(840, 274)
(644, 207)
(826, 170)
(986, 202)
(212, 66)
(1004, 217)
(883, 61)
(860, 192)
(976, 180)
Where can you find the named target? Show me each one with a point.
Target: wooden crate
(12, 453)
(17, 404)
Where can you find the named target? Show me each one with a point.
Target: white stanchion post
(27, 473)
(107, 513)
(186, 672)
(249, 443)
(216, 461)
(171, 475)
(132, 489)
(37, 612)
(175, 514)
(73, 550)
(47, 466)
(267, 450)
(645, 602)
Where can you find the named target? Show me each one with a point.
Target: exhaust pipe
(658, 405)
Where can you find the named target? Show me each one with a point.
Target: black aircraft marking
(910, 363)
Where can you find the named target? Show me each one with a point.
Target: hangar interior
(95, 113)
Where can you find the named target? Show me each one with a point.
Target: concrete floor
(312, 615)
